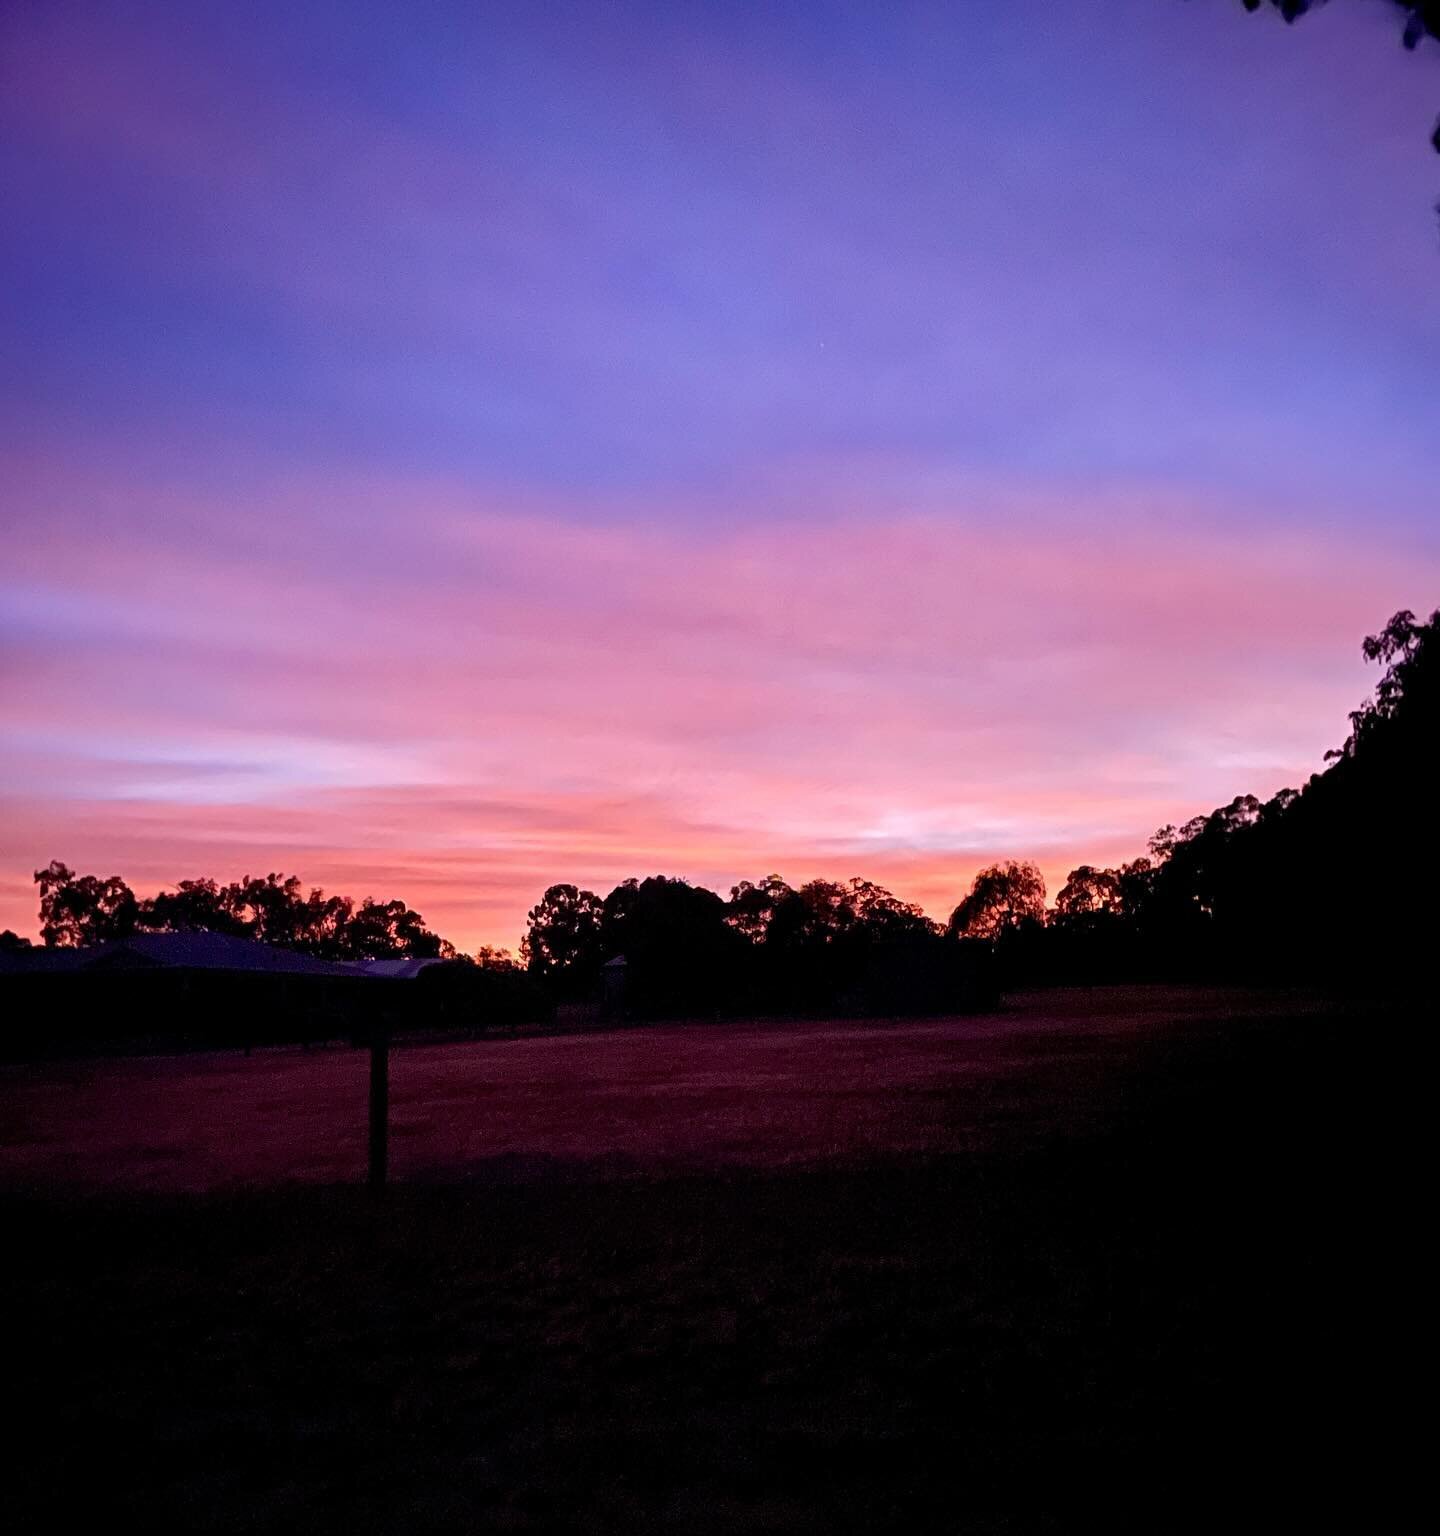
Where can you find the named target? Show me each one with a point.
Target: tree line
(80, 910)
(1333, 882)
(1419, 21)
(825, 946)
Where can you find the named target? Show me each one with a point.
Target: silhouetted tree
(824, 947)
(752, 905)
(1134, 883)
(682, 956)
(276, 909)
(1419, 19)
(1397, 645)
(1332, 882)
(1001, 896)
(377, 929)
(83, 909)
(858, 948)
(489, 958)
(883, 914)
(11, 941)
(1088, 892)
(194, 906)
(815, 914)
(562, 939)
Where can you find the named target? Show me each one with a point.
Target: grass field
(1092, 1260)
(636, 1101)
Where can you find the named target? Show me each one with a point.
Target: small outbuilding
(172, 990)
(612, 987)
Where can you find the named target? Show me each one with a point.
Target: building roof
(402, 968)
(212, 952)
(203, 952)
(175, 951)
(40, 961)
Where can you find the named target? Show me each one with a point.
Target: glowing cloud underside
(462, 451)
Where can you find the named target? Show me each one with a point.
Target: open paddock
(665, 1098)
(1104, 1260)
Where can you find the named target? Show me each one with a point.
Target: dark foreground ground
(1122, 1260)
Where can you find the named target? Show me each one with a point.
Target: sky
(447, 449)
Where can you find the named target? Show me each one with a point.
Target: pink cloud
(484, 699)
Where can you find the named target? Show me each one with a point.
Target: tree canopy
(824, 946)
(1334, 880)
(77, 910)
(1003, 896)
(1419, 20)
(1329, 882)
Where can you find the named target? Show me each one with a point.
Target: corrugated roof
(38, 960)
(202, 952)
(403, 968)
(213, 952)
(170, 951)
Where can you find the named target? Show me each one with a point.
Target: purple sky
(458, 447)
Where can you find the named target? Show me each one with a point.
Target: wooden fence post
(379, 1106)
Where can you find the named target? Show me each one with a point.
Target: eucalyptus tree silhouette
(1001, 896)
(1419, 21)
(562, 939)
(79, 910)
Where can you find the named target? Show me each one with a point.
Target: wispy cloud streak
(490, 700)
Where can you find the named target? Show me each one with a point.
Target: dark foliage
(1332, 883)
(181, 1007)
(1419, 20)
(1003, 897)
(463, 996)
(80, 910)
(562, 943)
(87, 1013)
(824, 948)
(682, 958)
(1182, 1300)
(856, 948)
